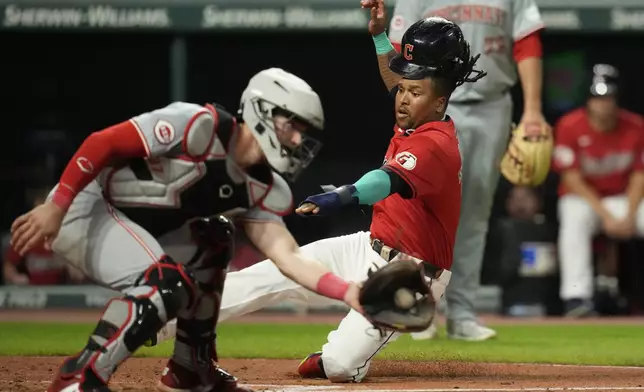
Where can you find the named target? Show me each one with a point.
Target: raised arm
(384, 49)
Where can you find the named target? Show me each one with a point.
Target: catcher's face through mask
(417, 103)
(298, 141)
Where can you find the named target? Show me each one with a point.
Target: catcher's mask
(284, 113)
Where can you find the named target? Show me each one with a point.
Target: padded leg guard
(127, 322)
(195, 347)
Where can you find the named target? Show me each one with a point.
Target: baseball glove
(397, 297)
(527, 159)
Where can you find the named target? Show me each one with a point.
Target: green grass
(573, 344)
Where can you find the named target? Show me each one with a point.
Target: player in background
(416, 201)
(506, 33)
(599, 152)
(168, 177)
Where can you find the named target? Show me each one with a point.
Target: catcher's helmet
(272, 89)
(435, 47)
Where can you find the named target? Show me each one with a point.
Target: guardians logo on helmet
(435, 47)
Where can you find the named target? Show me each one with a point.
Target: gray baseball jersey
(490, 26)
(189, 173)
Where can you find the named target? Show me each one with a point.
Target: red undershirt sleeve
(528, 46)
(98, 149)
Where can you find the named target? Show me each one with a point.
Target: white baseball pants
(350, 347)
(578, 224)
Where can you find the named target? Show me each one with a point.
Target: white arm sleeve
(526, 18)
(181, 128)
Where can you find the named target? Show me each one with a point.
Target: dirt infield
(27, 374)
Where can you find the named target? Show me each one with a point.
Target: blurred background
(71, 68)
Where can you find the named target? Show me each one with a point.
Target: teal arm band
(383, 45)
(372, 187)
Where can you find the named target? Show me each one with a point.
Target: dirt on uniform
(27, 374)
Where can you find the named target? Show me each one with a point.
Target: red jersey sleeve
(418, 164)
(121, 140)
(528, 46)
(566, 151)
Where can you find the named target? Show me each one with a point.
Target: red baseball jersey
(605, 159)
(40, 265)
(424, 226)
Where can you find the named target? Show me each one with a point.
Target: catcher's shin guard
(195, 348)
(127, 322)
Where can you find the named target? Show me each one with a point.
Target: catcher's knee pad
(165, 286)
(127, 322)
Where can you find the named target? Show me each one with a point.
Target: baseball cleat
(176, 378)
(429, 333)
(469, 331)
(77, 382)
(311, 366)
(579, 308)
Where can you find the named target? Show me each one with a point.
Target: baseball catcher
(179, 175)
(527, 160)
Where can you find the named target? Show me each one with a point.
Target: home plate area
(18, 374)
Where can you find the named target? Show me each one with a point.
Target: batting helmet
(435, 47)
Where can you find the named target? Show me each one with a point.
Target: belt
(388, 253)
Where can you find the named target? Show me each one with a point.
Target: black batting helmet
(435, 47)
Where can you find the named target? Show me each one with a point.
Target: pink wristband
(332, 286)
(62, 198)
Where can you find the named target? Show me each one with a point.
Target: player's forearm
(98, 149)
(527, 53)
(277, 244)
(389, 78)
(312, 275)
(385, 51)
(635, 192)
(573, 181)
(372, 187)
(531, 75)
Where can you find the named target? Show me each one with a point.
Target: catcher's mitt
(397, 297)
(527, 160)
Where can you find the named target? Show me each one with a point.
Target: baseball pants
(578, 224)
(350, 348)
(103, 243)
(116, 253)
(483, 130)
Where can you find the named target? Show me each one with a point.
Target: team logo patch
(564, 156)
(407, 52)
(164, 132)
(84, 165)
(398, 23)
(406, 159)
